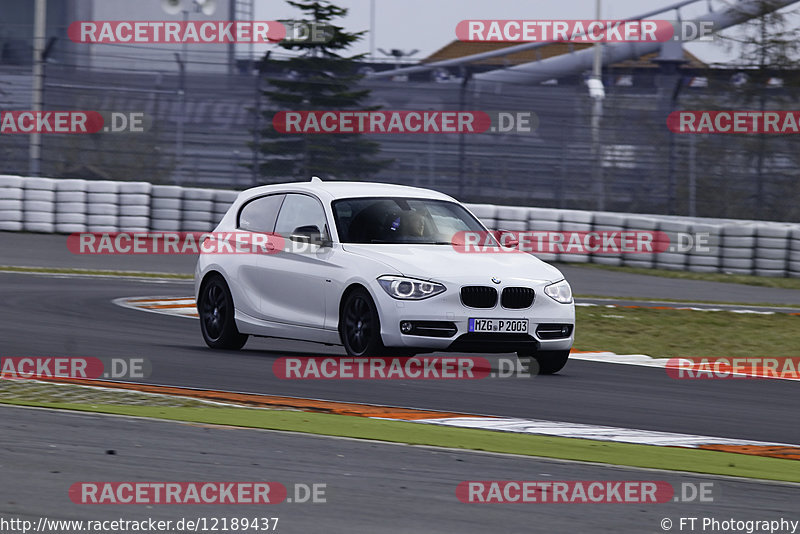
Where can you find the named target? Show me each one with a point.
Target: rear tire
(216, 311)
(548, 361)
(359, 325)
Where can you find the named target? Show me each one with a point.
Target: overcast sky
(428, 25)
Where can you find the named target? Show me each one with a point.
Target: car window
(259, 215)
(299, 211)
(401, 220)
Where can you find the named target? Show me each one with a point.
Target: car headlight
(409, 289)
(559, 292)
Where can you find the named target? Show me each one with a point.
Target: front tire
(548, 361)
(359, 325)
(216, 311)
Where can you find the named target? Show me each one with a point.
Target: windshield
(401, 220)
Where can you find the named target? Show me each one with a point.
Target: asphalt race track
(370, 487)
(47, 315)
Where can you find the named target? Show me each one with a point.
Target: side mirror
(507, 238)
(309, 234)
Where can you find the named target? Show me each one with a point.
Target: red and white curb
(176, 306)
(458, 420)
(594, 432)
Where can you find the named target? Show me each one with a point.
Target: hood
(442, 262)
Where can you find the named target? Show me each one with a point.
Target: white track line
(689, 308)
(593, 432)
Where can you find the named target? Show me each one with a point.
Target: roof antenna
(315, 179)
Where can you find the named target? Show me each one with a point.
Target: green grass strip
(744, 279)
(680, 334)
(672, 458)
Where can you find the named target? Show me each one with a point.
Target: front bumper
(447, 309)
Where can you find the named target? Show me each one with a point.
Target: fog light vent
(428, 328)
(553, 330)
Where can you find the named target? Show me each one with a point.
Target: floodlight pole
(597, 115)
(182, 59)
(466, 76)
(372, 30)
(39, 32)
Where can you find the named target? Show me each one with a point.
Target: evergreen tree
(320, 78)
(768, 49)
(751, 175)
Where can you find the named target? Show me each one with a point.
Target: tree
(320, 78)
(769, 55)
(750, 176)
(765, 42)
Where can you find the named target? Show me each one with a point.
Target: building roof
(457, 49)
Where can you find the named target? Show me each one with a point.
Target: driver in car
(412, 224)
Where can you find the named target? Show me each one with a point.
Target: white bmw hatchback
(373, 267)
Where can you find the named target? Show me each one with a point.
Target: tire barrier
(542, 220)
(222, 201)
(640, 223)
(134, 206)
(71, 206)
(487, 213)
(512, 218)
(165, 208)
(608, 222)
(695, 244)
(705, 256)
(197, 210)
(11, 203)
(38, 205)
(738, 248)
(793, 264)
(575, 221)
(772, 249)
(672, 259)
(102, 206)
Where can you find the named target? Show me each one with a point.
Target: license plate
(498, 325)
